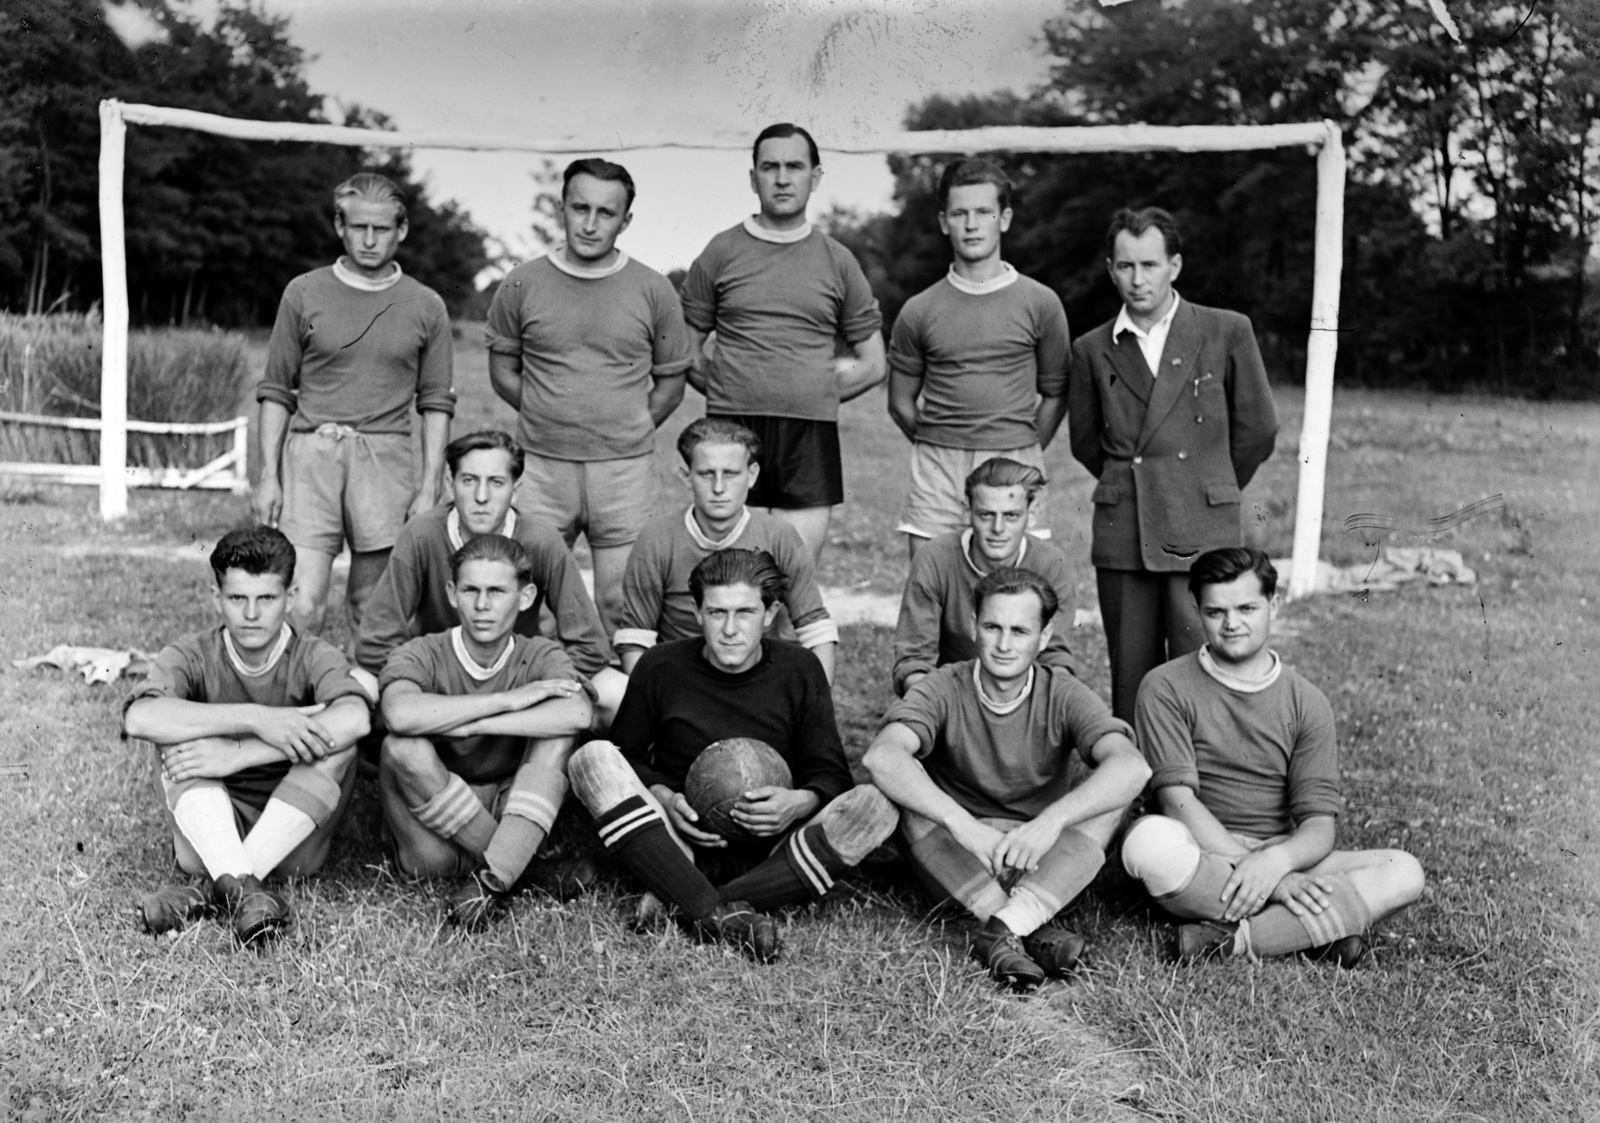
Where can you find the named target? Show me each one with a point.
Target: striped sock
(530, 811)
(457, 814)
(1277, 931)
(636, 835)
(803, 869)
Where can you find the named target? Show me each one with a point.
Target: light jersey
(300, 670)
(935, 626)
(777, 306)
(678, 703)
(440, 664)
(656, 603)
(411, 600)
(983, 354)
(590, 345)
(1261, 760)
(353, 356)
(1009, 765)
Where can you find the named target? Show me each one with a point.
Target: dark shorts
(800, 465)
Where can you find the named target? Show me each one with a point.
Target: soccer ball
(723, 772)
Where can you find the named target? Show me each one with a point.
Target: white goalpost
(1322, 137)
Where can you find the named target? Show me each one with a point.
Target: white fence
(228, 472)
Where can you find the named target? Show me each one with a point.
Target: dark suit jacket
(1173, 453)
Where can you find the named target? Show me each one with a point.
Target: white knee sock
(280, 829)
(1025, 913)
(205, 816)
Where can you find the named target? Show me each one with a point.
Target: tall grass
(51, 365)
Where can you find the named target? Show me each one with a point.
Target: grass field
(1468, 736)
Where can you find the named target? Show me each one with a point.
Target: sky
(535, 68)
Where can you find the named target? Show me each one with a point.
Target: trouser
(1149, 618)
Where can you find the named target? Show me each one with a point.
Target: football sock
(636, 835)
(204, 814)
(1025, 913)
(530, 811)
(1277, 931)
(280, 829)
(802, 869)
(510, 850)
(457, 814)
(1201, 897)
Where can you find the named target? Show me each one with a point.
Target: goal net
(1321, 137)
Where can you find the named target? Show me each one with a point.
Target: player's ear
(216, 596)
(1045, 633)
(769, 614)
(405, 228)
(527, 595)
(754, 470)
(754, 183)
(944, 223)
(450, 593)
(626, 220)
(816, 176)
(1005, 220)
(1274, 603)
(1177, 265)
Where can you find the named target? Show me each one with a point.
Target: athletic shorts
(937, 501)
(800, 465)
(608, 500)
(340, 484)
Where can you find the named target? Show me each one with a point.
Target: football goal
(1322, 138)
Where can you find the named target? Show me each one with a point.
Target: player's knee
(1403, 878)
(858, 822)
(188, 861)
(405, 756)
(601, 776)
(1160, 852)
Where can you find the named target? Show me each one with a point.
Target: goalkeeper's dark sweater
(678, 703)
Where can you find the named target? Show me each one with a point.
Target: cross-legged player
(729, 681)
(589, 347)
(778, 293)
(977, 362)
(976, 757)
(1246, 774)
(354, 345)
(722, 461)
(256, 724)
(412, 598)
(481, 723)
(936, 625)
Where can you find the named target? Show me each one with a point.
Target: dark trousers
(1149, 618)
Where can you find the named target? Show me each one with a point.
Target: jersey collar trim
(1237, 682)
(1000, 709)
(558, 258)
(452, 527)
(781, 237)
(1008, 277)
(699, 538)
(966, 552)
(473, 668)
(279, 646)
(366, 284)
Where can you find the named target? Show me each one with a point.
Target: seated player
(729, 681)
(656, 604)
(410, 599)
(1246, 774)
(936, 624)
(976, 756)
(481, 722)
(256, 725)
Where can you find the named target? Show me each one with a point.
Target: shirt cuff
(817, 633)
(634, 637)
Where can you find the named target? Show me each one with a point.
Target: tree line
(215, 227)
(1470, 208)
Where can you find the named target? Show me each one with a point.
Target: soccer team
(486, 682)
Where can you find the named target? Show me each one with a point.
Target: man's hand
(1253, 881)
(530, 694)
(982, 842)
(204, 758)
(1021, 848)
(268, 500)
(683, 819)
(770, 810)
(296, 733)
(1304, 894)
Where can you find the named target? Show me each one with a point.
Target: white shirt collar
(699, 536)
(366, 284)
(1125, 322)
(966, 552)
(473, 668)
(1235, 681)
(558, 257)
(279, 646)
(452, 527)
(782, 237)
(1008, 277)
(1000, 708)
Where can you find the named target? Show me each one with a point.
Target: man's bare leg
(610, 562)
(313, 571)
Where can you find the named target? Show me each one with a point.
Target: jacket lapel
(1178, 359)
(1128, 369)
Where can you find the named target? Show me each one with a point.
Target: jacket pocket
(1107, 494)
(1218, 495)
